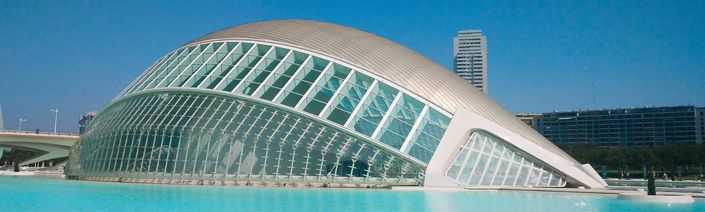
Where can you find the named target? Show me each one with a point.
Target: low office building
(625, 126)
(296, 102)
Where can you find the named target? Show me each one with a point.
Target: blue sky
(543, 55)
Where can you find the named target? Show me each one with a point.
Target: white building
(297, 102)
(470, 57)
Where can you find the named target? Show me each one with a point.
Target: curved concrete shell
(313, 103)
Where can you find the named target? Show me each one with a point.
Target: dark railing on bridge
(39, 133)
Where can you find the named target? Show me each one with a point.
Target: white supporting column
(362, 102)
(166, 68)
(271, 49)
(204, 63)
(272, 73)
(538, 180)
(181, 72)
(220, 85)
(172, 72)
(477, 162)
(293, 77)
(386, 115)
(337, 92)
(313, 85)
(489, 160)
(506, 172)
(219, 64)
(499, 164)
(422, 115)
(518, 174)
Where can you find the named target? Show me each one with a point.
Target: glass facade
(486, 161)
(250, 111)
(177, 136)
(308, 83)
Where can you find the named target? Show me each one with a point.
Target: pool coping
(608, 191)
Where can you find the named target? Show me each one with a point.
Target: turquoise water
(55, 194)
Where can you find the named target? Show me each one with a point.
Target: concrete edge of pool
(625, 193)
(657, 198)
(619, 193)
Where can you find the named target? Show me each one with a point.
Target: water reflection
(39, 194)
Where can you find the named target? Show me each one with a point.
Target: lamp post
(19, 127)
(56, 117)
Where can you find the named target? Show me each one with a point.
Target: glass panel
(211, 65)
(512, 175)
(227, 65)
(498, 165)
(189, 138)
(348, 98)
(543, 180)
(457, 164)
(196, 64)
(281, 76)
(138, 84)
(522, 174)
(399, 124)
(428, 135)
(302, 82)
(324, 90)
(169, 68)
(183, 65)
(243, 67)
(263, 71)
(501, 173)
(373, 109)
(477, 172)
(467, 169)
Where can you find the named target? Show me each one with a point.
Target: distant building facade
(527, 118)
(625, 127)
(85, 121)
(470, 57)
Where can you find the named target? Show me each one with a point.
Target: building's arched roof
(386, 59)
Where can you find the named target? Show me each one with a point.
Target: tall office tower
(470, 57)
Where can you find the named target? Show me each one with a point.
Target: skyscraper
(470, 57)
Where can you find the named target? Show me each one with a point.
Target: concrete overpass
(46, 145)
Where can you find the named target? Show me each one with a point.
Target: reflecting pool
(56, 194)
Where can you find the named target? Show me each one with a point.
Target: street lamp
(56, 117)
(19, 127)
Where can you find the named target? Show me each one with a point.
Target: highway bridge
(46, 145)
